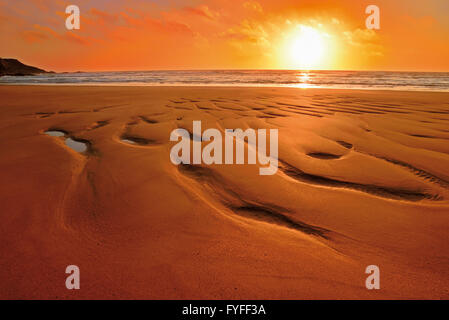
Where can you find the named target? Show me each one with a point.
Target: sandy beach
(363, 180)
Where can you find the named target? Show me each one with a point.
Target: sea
(372, 80)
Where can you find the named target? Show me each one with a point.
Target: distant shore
(13, 67)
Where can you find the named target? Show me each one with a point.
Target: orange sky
(223, 34)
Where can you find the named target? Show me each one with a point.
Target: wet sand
(363, 180)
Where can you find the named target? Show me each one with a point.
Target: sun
(306, 48)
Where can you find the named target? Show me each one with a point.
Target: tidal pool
(55, 133)
(128, 141)
(76, 145)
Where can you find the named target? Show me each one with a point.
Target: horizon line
(255, 69)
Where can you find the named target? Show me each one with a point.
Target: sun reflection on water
(303, 80)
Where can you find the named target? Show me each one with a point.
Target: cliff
(13, 67)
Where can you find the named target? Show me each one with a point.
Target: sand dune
(363, 179)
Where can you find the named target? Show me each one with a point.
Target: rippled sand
(363, 180)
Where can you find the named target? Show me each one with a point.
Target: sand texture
(363, 180)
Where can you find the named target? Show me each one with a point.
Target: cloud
(247, 30)
(365, 40)
(158, 25)
(43, 33)
(33, 36)
(74, 37)
(253, 5)
(103, 17)
(359, 37)
(203, 11)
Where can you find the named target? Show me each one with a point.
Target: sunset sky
(226, 34)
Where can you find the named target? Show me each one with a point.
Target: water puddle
(77, 145)
(129, 141)
(55, 133)
(136, 140)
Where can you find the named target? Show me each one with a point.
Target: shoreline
(218, 86)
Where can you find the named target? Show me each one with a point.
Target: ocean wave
(413, 81)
